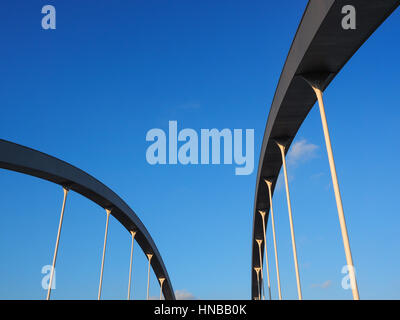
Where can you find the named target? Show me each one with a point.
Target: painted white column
(338, 197)
(57, 242)
(257, 269)
(104, 254)
(269, 184)
(149, 256)
(262, 213)
(296, 265)
(133, 233)
(161, 286)
(259, 242)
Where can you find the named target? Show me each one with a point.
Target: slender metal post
(262, 213)
(259, 241)
(161, 286)
(336, 189)
(296, 265)
(104, 254)
(65, 189)
(257, 269)
(269, 184)
(149, 256)
(133, 233)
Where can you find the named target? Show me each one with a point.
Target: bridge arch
(28, 161)
(320, 49)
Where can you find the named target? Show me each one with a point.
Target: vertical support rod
(269, 184)
(266, 252)
(257, 269)
(338, 197)
(161, 286)
(104, 254)
(133, 233)
(149, 256)
(57, 242)
(259, 241)
(296, 265)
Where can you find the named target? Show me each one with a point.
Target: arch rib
(321, 46)
(28, 161)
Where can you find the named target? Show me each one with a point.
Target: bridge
(21, 159)
(320, 49)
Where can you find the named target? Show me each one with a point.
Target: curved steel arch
(29, 161)
(321, 47)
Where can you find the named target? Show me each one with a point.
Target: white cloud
(301, 151)
(179, 295)
(317, 176)
(194, 105)
(184, 295)
(323, 285)
(280, 184)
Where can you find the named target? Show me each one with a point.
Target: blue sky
(89, 91)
